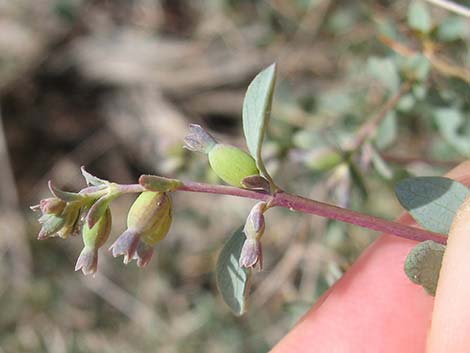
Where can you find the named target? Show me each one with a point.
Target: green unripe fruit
(231, 164)
(148, 211)
(158, 232)
(148, 221)
(96, 236)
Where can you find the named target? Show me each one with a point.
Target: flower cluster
(87, 213)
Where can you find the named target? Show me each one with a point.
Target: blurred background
(368, 92)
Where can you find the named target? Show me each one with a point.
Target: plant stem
(302, 204)
(299, 203)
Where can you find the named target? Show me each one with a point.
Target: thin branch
(370, 126)
(443, 67)
(302, 204)
(452, 7)
(418, 159)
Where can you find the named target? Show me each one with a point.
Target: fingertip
(450, 328)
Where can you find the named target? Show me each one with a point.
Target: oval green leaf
(423, 264)
(419, 17)
(432, 201)
(256, 113)
(232, 280)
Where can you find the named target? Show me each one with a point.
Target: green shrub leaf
(385, 71)
(432, 201)
(256, 113)
(232, 280)
(454, 128)
(419, 17)
(423, 263)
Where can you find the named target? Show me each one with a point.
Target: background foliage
(114, 84)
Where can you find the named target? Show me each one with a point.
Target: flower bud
(231, 164)
(93, 239)
(52, 205)
(71, 214)
(146, 219)
(58, 224)
(252, 253)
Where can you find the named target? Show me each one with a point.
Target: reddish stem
(302, 204)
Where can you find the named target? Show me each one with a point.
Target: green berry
(231, 164)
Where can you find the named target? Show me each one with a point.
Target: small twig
(441, 65)
(452, 7)
(370, 126)
(418, 159)
(301, 204)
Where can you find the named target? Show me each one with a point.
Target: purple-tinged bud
(199, 140)
(93, 239)
(148, 220)
(52, 205)
(252, 253)
(51, 224)
(61, 224)
(71, 215)
(254, 225)
(256, 182)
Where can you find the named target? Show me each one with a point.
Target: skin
(375, 308)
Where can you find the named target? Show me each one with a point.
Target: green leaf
(432, 201)
(419, 17)
(423, 264)
(406, 103)
(385, 71)
(91, 179)
(64, 195)
(387, 131)
(452, 28)
(256, 113)
(233, 281)
(453, 127)
(416, 67)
